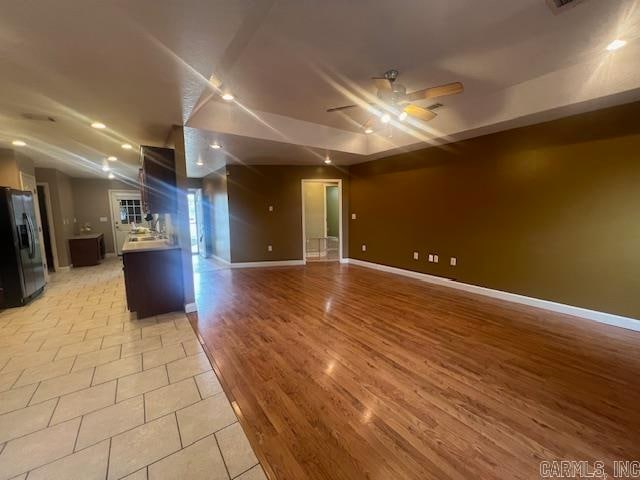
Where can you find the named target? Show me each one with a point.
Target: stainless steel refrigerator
(21, 268)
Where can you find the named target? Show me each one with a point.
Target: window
(130, 211)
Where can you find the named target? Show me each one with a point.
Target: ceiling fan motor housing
(391, 75)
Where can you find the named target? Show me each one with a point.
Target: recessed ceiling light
(402, 116)
(616, 44)
(112, 158)
(327, 160)
(111, 176)
(227, 96)
(127, 146)
(105, 168)
(98, 125)
(18, 143)
(368, 130)
(385, 118)
(216, 146)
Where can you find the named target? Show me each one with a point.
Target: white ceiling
(140, 67)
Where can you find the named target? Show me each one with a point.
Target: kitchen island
(153, 276)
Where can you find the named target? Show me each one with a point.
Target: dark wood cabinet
(86, 250)
(158, 180)
(153, 281)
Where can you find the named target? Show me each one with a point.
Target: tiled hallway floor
(87, 392)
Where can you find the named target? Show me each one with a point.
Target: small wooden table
(86, 249)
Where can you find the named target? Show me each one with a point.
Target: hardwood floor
(341, 372)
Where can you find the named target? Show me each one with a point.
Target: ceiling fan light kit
(396, 99)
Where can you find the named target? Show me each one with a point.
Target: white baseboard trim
(220, 259)
(344, 260)
(594, 315)
(63, 269)
(190, 308)
(277, 263)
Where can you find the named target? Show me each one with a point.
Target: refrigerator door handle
(32, 243)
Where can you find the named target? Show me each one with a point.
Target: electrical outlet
(435, 259)
(269, 248)
(453, 262)
(271, 208)
(431, 257)
(353, 216)
(415, 255)
(364, 247)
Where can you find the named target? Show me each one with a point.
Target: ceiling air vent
(38, 117)
(559, 6)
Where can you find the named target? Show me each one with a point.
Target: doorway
(322, 220)
(126, 209)
(194, 201)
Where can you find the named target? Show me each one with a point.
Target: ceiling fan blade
(337, 109)
(419, 112)
(435, 92)
(382, 83)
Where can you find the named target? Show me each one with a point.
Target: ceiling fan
(395, 95)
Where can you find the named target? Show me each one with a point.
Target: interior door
(126, 209)
(29, 183)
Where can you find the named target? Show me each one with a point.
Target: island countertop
(147, 246)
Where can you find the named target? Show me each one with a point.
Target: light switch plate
(353, 216)
(415, 255)
(431, 257)
(270, 248)
(453, 262)
(435, 259)
(103, 219)
(364, 248)
(271, 208)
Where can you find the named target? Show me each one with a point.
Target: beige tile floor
(88, 392)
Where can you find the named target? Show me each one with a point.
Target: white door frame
(112, 194)
(52, 231)
(304, 235)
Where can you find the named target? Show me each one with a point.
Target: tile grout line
(177, 451)
(221, 455)
(106, 474)
(53, 411)
(175, 415)
(75, 442)
(245, 471)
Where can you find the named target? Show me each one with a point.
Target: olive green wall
(11, 164)
(252, 189)
(216, 212)
(91, 202)
(550, 211)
